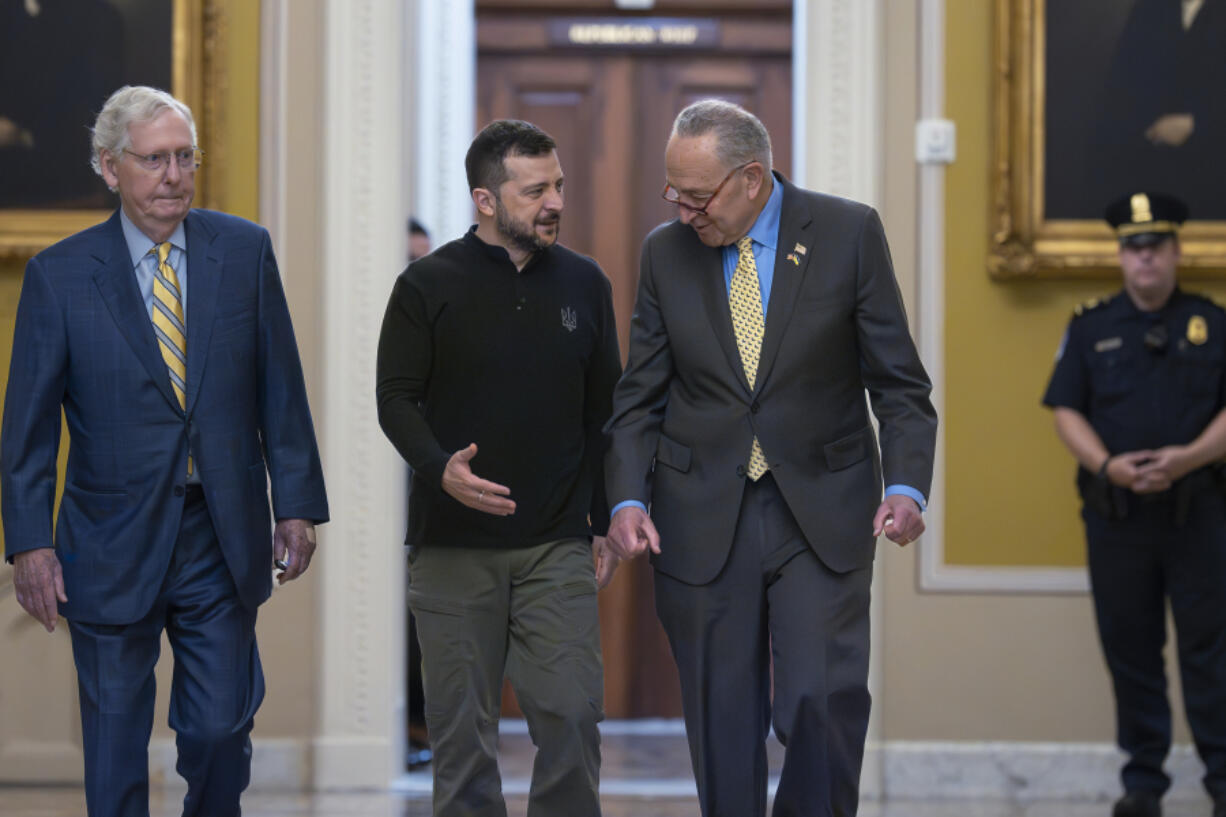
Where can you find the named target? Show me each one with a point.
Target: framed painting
(1096, 99)
(61, 59)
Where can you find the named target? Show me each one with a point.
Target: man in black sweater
(497, 362)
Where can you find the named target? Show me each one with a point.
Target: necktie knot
(163, 252)
(745, 245)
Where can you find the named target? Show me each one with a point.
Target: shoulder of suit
(669, 231)
(85, 242)
(841, 215)
(225, 222)
(830, 201)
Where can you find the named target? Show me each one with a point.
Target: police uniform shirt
(1143, 379)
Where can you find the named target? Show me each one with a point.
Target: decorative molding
(362, 592)
(216, 84)
(800, 93)
(442, 125)
(838, 103)
(844, 106)
(274, 118)
(32, 761)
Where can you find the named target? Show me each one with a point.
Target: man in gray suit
(764, 312)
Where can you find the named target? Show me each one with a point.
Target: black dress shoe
(1137, 804)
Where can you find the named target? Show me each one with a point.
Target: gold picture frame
(1025, 243)
(198, 78)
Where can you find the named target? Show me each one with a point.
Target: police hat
(1146, 219)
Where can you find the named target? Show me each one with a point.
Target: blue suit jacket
(84, 341)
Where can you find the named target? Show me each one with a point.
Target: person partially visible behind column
(164, 337)
(1138, 394)
(496, 367)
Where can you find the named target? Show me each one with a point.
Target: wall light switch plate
(935, 141)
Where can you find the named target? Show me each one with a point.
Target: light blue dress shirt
(145, 262)
(765, 235)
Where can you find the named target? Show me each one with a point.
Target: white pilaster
(843, 103)
(274, 124)
(838, 112)
(362, 240)
(444, 91)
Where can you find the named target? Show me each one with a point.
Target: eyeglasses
(186, 159)
(672, 196)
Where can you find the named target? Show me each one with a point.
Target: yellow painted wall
(1009, 492)
(241, 109)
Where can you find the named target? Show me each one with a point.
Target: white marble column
(442, 118)
(361, 618)
(839, 99)
(838, 109)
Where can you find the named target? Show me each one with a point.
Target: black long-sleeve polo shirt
(522, 363)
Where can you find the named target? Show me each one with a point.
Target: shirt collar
(765, 229)
(500, 254)
(140, 244)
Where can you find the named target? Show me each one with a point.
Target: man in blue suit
(164, 336)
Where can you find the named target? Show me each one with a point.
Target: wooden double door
(611, 109)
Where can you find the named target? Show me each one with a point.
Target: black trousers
(774, 603)
(1136, 565)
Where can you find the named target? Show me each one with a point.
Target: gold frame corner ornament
(198, 78)
(1024, 243)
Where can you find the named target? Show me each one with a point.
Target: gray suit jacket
(684, 416)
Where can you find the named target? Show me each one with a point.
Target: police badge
(1198, 330)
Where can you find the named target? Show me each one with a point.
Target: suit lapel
(204, 265)
(796, 228)
(710, 269)
(116, 282)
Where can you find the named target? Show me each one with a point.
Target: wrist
(1102, 471)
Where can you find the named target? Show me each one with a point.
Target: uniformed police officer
(1138, 394)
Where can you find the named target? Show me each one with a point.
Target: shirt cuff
(907, 490)
(628, 503)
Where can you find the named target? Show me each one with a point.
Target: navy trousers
(1136, 565)
(773, 605)
(217, 685)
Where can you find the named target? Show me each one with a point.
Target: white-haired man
(164, 337)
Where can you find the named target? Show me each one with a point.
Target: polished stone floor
(70, 802)
(645, 773)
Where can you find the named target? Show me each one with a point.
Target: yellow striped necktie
(169, 325)
(745, 302)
